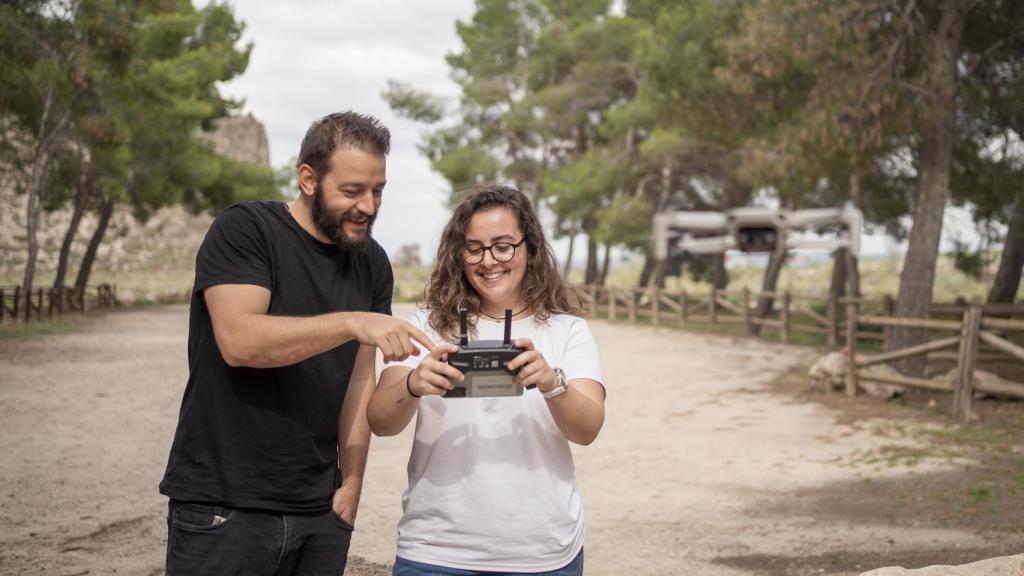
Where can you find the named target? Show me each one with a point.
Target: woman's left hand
(533, 368)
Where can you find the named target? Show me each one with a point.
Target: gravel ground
(715, 460)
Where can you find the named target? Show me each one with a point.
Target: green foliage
(226, 181)
(709, 105)
(136, 83)
(970, 262)
(624, 221)
(414, 104)
(139, 80)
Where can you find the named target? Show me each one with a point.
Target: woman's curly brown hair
(543, 288)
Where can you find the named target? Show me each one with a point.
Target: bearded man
(290, 303)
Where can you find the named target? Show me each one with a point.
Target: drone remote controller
(485, 364)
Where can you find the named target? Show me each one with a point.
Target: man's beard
(332, 227)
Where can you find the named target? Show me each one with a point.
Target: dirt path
(704, 466)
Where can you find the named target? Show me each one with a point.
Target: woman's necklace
(525, 308)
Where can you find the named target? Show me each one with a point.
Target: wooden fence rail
(845, 322)
(37, 303)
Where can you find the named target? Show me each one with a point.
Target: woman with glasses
(492, 486)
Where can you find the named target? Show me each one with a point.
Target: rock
(172, 296)
(886, 391)
(830, 371)
(125, 298)
(1003, 566)
(982, 379)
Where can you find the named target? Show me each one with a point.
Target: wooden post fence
(888, 309)
(833, 319)
(786, 298)
(713, 310)
(969, 333)
(18, 304)
(655, 305)
(631, 305)
(684, 309)
(968, 355)
(851, 349)
(747, 320)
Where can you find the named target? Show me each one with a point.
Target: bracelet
(409, 388)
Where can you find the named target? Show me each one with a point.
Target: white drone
(755, 229)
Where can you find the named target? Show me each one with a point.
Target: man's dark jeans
(212, 540)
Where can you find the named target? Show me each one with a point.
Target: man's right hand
(393, 337)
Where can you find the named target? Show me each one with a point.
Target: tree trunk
(648, 270)
(719, 275)
(852, 274)
(771, 278)
(45, 140)
(838, 285)
(1007, 280)
(35, 202)
(660, 271)
(605, 264)
(81, 195)
(590, 275)
(106, 211)
(844, 264)
(917, 278)
(567, 265)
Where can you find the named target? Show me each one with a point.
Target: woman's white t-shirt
(492, 484)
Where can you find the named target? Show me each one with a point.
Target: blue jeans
(204, 540)
(409, 568)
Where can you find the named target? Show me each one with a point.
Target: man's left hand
(346, 504)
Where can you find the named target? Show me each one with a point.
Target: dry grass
(879, 276)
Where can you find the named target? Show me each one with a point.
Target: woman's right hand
(433, 374)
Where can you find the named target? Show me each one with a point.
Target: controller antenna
(508, 326)
(463, 326)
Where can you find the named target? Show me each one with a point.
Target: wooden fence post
(631, 304)
(888, 308)
(655, 305)
(593, 300)
(39, 304)
(713, 310)
(3, 304)
(684, 309)
(966, 359)
(851, 349)
(786, 297)
(746, 312)
(612, 297)
(833, 319)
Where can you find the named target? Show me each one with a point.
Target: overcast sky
(314, 57)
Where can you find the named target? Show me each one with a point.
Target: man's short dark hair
(341, 130)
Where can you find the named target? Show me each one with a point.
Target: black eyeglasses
(500, 251)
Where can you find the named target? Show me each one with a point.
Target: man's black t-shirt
(268, 438)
